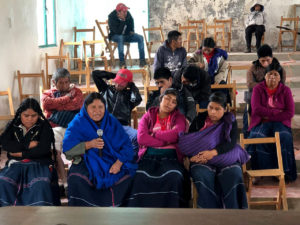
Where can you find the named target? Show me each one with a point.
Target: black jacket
(186, 104)
(221, 148)
(116, 26)
(200, 92)
(119, 103)
(14, 141)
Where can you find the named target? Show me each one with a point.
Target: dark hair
(275, 65)
(169, 91)
(209, 43)
(163, 73)
(193, 73)
(264, 51)
(61, 73)
(173, 35)
(91, 97)
(30, 103)
(218, 97)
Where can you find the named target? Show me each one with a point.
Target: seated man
(121, 29)
(186, 103)
(121, 98)
(255, 23)
(197, 82)
(213, 60)
(61, 103)
(171, 54)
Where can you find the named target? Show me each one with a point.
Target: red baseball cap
(123, 76)
(121, 7)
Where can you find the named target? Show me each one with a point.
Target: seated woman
(160, 180)
(215, 157)
(29, 178)
(101, 151)
(211, 59)
(272, 111)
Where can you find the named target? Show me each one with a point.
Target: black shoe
(248, 50)
(122, 64)
(143, 63)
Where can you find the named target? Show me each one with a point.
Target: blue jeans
(120, 39)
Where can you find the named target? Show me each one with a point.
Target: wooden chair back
(201, 28)
(11, 114)
(293, 31)
(189, 42)
(22, 76)
(60, 64)
(218, 30)
(232, 90)
(147, 90)
(279, 172)
(227, 26)
(148, 34)
(87, 30)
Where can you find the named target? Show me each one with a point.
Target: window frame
(46, 44)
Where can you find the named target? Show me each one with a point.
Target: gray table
(143, 216)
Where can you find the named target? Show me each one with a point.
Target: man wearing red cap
(121, 29)
(121, 98)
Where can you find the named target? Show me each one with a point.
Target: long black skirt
(29, 184)
(160, 181)
(82, 192)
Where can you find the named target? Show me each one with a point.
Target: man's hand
(201, 65)
(71, 93)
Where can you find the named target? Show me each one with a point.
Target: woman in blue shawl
(102, 156)
(215, 157)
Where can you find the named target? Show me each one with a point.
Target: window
(46, 23)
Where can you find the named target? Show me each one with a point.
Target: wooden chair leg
(195, 195)
(249, 191)
(283, 194)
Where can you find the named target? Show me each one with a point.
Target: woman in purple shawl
(216, 161)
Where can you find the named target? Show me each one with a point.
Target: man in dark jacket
(163, 79)
(121, 98)
(121, 29)
(171, 54)
(197, 81)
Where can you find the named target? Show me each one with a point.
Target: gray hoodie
(256, 17)
(172, 60)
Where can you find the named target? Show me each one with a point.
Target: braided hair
(30, 103)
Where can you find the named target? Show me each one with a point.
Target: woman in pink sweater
(272, 111)
(161, 180)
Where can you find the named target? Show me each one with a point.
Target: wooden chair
(11, 114)
(60, 63)
(201, 28)
(232, 88)
(227, 24)
(279, 173)
(77, 61)
(149, 43)
(145, 74)
(238, 65)
(293, 31)
(187, 37)
(147, 90)
(111, 46)
(88, 70)
(22, 76)
(88, 30)
(217, 31)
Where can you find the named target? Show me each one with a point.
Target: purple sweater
(161, 138)
(283, 101)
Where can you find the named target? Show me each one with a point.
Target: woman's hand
(33, 144)
(115, 168)
(16, 154)
(95, 143)
(204, 156)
